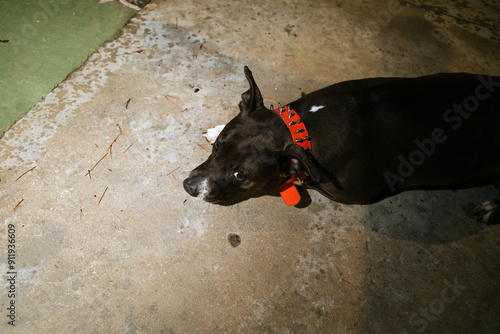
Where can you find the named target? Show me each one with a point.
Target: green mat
(42, 41)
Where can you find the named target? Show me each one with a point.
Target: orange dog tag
(289, 193)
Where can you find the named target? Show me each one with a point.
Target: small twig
(128, 148)
(173, 171)
(201, 46)
(81, 214)
(25, 173)
(168, 97)
(115, 139)
(102, 195)
(96, 50)
(88, 173)
(110, 148)
(110, 151)
(203, 147)
(348, 282)
(18, 204)
(126, 104)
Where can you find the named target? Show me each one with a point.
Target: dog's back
(385, 135)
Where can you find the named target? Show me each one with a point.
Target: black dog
(361, 141)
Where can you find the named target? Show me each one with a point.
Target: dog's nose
(191, 186)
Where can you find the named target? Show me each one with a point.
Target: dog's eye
(239, 176)
(216, 145)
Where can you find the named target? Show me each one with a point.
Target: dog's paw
(212, 134)
(488, 212)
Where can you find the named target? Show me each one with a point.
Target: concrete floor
(126, 250)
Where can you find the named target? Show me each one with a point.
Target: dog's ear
(251, 99)
(294, 160)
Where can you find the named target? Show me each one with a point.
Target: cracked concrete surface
(126, 250)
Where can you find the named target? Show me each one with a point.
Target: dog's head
(254, 151)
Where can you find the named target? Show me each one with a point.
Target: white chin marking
(316, 108)
(202, 189)
(212, 134)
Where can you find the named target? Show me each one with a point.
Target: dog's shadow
(428, 217)
(422, 216)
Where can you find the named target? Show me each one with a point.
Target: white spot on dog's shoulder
(316, 108)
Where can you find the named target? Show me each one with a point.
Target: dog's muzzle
(196, 186)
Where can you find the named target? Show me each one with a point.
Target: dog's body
(370, 139)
